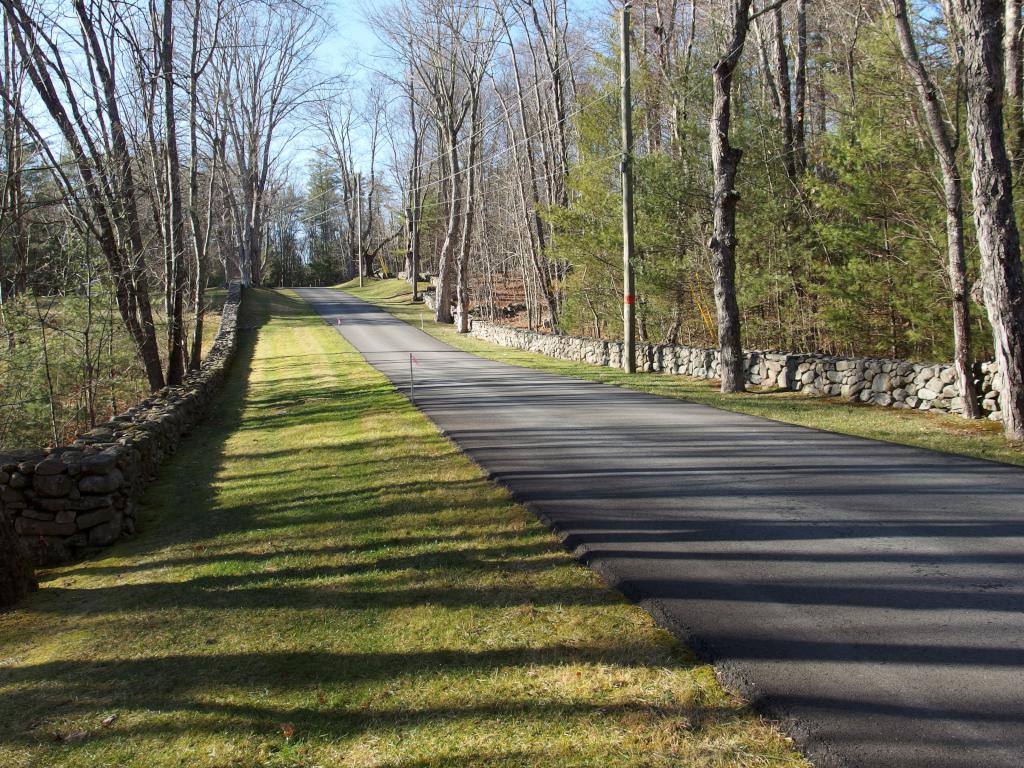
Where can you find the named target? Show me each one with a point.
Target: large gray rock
(28, 527)
(53, 505)
(851, 391)
(101, 483)
(10, 495)
(86, 503)
(106, 533)
(35, 514)
(50, 466)
(87, 520)
(99, 463)
(51, 485)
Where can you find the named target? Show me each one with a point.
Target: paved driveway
(871, 595)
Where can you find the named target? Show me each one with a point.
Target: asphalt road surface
(870, 596)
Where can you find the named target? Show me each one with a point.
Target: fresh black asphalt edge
(731, 675)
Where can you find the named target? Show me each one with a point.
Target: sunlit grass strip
(940, 432)
(323, 580)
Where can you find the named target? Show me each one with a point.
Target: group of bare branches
(484, 150)
(160, 124)
(500, 159)
(487, 91)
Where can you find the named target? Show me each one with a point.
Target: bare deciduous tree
(89, 118)
(981, 25)
(944, 137)
(263, 62)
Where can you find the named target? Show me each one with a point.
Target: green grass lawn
(951, 434)
(323, 580)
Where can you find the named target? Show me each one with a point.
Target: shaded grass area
(949, 434)
(323, 580)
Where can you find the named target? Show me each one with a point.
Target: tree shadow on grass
(227, 688)
(236, 694)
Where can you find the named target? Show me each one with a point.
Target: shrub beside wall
(62, 500)
(883, 382)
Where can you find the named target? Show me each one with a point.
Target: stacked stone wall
(876, 381)
(65, 499)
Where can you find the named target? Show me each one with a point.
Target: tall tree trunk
(125, 203)
(198, 61)
(465, 246)
(176, 225)
(998, 237)
(413, 211)
(254, 243)
(1014, 81)
(800, 89)
(446, 268)
(942, 139)
(725, 161)
(784, 95)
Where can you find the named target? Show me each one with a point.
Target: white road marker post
(412, 380)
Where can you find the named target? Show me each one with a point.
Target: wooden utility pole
(628, 298)
(359, 226)
(415, 253)
(414, 174)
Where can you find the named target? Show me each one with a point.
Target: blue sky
(354, 48)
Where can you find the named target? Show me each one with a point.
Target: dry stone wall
(65, 499)
(876, 381)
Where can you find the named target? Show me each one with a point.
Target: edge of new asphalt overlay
(731, 675)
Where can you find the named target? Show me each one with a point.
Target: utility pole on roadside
(415, 254)
(414, 192)
(359, 225)
(628, 287)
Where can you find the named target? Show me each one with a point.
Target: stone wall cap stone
(51, 465)
(100, 463)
